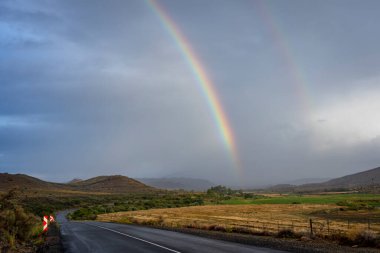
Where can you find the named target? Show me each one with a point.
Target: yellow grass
(268, 218)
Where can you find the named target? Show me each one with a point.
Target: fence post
(328, 227)
(311, 228)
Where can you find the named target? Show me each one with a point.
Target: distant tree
(220, 190)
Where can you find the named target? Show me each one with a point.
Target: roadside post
(45, 224)
(311, 228)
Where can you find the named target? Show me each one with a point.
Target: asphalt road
(105, 237)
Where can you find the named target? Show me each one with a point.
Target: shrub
(241, 230)
(218, 228)
(286, 233)
(84, 214)
(340, 237)
(367, 238)
(161, 220)
(16, 225)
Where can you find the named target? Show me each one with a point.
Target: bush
(241, 230)
(16, 225)
(286, 233)
(83, 214)
(218, 228)
(367, 238)
(364, 238)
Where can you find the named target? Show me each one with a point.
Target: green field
(370, 200)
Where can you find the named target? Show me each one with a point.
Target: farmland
(325, 216)
(370, 200)
(255, 218)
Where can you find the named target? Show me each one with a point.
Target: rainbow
(206, 85)
(299, 83)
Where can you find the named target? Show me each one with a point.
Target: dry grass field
(265, 219)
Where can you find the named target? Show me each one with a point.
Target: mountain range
(365, 180)
(368, 180)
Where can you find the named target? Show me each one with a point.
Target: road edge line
(136, 238)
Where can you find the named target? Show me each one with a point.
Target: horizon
(234, 92)
(295, 182)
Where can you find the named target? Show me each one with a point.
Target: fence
(310, 225)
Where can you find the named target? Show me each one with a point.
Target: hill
(189, 184)
(103, 184)
(111, 184)
(368, 180)
(302, 181)
(25, 182)
(364, 178)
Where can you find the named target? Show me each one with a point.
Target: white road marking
(136, 238)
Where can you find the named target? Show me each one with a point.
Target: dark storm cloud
(98, 87)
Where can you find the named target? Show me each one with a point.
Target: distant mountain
(188, 184)
(75, 180)
(365, 180)
(302, 181)
(103, 184)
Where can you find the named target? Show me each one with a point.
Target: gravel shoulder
(291, 245)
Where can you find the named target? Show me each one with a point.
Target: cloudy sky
(100, 87)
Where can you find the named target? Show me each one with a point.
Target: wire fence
(309, 225)
(258, 221)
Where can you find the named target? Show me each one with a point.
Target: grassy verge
(19, 229)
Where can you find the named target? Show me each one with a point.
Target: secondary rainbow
(205, 84)
(265, 13)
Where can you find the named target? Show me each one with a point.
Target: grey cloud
(112, 94)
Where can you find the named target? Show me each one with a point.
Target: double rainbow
(206, 85)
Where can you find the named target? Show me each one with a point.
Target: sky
(100, 87)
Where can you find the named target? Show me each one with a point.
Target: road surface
(102, 237)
